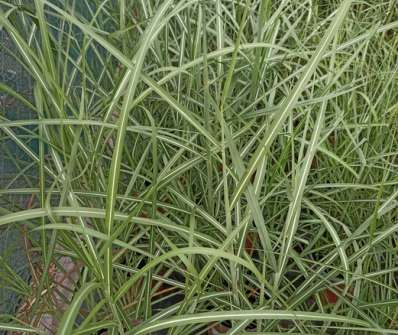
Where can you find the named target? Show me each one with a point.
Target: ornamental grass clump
(205, 166)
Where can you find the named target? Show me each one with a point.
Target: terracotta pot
(329, 296)
(218, 329)
(250, 241)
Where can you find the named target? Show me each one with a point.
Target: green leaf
(244, 315)
(68, 320)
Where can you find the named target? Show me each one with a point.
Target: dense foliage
(208, 164)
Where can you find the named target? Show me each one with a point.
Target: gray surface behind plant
(11, 241)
